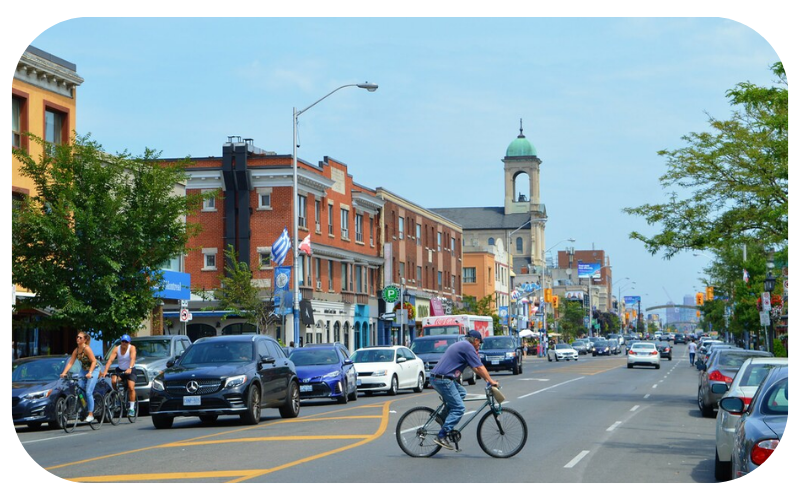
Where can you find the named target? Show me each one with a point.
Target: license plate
(495, 362)
(191, 401)
(305, 388)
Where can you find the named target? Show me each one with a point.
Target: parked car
(501, 352)
(36, 388)
(152, 355)
(602, 348)
(616, 345)
(762, 423)
(581, 346)
(664, 349)
(644, 353)
(744, 386)
(562, 352)
(325, 371)
(680, 338)
(721, 367)
(704, 343)
(226, 375)
(389, 368)
(431, 348)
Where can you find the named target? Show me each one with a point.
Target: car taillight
(654, 353)
(717, 376)
(762, 450)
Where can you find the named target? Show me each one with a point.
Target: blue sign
(283, 296)
(632, 299)
(176, 286)
(503, 310)
(589, 270)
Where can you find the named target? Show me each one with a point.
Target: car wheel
(420, 383)
(162, 421)
(722, 470)
(473, 380)
(354, 395)
(343, 398)
(548, 359)
(658, 366)
(394, 386)
(291, 408)
(59, 409)
(253, 414)
(630, 365)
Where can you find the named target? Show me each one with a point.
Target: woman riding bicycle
(444, 380)
(88, 373)
(124, 371)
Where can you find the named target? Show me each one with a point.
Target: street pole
(402, 311)
(371, 87)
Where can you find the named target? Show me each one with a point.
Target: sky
(597, 99)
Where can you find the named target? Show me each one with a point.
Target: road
(591, 421)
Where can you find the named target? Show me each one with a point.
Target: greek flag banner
(281, 247)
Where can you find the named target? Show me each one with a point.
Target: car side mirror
(732, 405)
(401, 360)
(348, 361)
(719, 388)
(172, 361)
(268, 360)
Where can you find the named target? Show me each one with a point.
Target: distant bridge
(669, 306)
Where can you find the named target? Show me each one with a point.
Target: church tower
(521, 165)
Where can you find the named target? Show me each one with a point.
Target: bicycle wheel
(414, 437)
(503, 435)
(69, 415)
(99, 411)
(113, 407)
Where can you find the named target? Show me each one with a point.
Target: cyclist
(444, 379)
(88, 373)
(124, 371)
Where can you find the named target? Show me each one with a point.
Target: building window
(400, 227)
(265, 199)
(439, 281)
(519, 245)
(55, 126)
(345, 224)
(401, 270)
(491, 242)
(317, 216)
(419, 234)
(360, 228)
(18, 121)
(419, 275)
(359, 279)
(209, 204)
(330, 275)
(453, 244)
(330, 219)
(345, 278)
(209, 259)
(371, 232)
(438, 242)
(469, 275)
(301, 210)
(301, 272)
(318, 273)
(265, 257)
(453, 282)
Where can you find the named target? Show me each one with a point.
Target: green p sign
(391, 294)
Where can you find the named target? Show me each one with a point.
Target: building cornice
(47, 74)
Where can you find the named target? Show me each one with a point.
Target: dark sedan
(721, 367)
(664, 349)
(602, 348)
(36, 389)
(762, 424)
(227, 375)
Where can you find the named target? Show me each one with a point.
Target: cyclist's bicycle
(116, 403)
(502, 432)
(74, 407)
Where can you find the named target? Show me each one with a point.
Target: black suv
(228, 375)
(501, 352)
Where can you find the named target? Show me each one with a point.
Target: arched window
(347, 335)
(197, 331)
(357, 334)
(491, 241)
(337, 332)
(239, 329)
(519, 245)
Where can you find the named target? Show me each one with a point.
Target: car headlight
(154, 373)
(38, 394)
(158, 384)
(379, 373)
(511, 354)
(235, 381)
(332, 374)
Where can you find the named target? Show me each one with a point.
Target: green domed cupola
(520, 146)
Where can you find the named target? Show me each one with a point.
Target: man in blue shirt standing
(444, 379)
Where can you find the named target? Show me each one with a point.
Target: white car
(644, 353)
(744, 387)
(389, 369)
(562, 352)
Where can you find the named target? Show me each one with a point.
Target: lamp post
(589, 293)
(769, 286)
(371, 87)
(542, 303)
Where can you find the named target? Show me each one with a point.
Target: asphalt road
(591, 421)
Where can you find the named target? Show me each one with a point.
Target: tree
(239, 297)
(571, 316)
(737, 175)
(89, 242)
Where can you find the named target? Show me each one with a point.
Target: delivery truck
(457, 324)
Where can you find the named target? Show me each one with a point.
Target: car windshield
(753, 374)
(37, 370)
(563, 346)
(373, 356)
(735, 359)
(311, 357)
(776, 401)
(498, 343)
(146, 348)
(578, 343)
(217, 353)
(425, 345)
(601, 343)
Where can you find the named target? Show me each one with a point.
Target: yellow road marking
(255, 440)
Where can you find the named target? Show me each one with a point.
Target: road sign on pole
(185, 316)
(391, 294)
(387, 316)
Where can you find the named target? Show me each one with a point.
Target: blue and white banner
(589, 270)
(176, 286)
(283, 294)
(503, 310)
(631, 300)
(280, 248)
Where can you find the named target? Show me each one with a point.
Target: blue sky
(598, 98)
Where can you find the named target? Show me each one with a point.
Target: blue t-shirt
(457, 357)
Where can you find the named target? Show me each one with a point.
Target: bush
(778, 349)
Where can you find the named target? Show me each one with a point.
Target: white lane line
(635, 408)
(572, 463)
(655, 385)
(536, 379)
(616, 424)
(551, 387)
(646, 396)
(46, 439)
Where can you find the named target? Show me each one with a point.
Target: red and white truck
(457, 324)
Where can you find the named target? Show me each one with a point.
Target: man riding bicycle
(444, 379)
(124, 371)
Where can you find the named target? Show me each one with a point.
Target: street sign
(764, 317)
(184, 304)
(387, 316)
(766, 301)
(185, 316)
(391, 294)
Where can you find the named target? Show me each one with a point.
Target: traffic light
(548, 294)
(555, 302)
(709, 293)
(586, 300)
(699, 299)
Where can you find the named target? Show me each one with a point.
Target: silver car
(762, 423)
(744, 386)
(562, 352)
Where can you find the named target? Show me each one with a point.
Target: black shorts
(124, 376)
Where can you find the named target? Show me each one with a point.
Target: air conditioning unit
(318, 227)
(319, 285)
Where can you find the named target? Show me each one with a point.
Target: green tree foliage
(570, 318)
(737, 177)
(239, 297)
(91, 240)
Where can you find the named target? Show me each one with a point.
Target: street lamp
(542, 303)
(769, 286)
(370, 87)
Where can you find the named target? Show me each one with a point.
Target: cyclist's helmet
(125, 338)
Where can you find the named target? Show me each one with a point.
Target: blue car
(501, 353)
(325, 371)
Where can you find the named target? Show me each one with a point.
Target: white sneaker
(89, 419)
